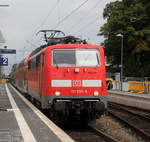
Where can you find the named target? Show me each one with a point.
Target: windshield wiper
(97, 58)
(55, 62)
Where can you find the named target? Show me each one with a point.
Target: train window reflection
(76, 57)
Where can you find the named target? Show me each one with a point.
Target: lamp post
(121, 73)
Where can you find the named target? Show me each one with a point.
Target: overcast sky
(24, 18)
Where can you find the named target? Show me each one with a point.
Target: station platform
(137, 100)
(129, 93)
(20, 121)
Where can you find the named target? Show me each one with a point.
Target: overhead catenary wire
(94, 22)
(44, 21)
(84, 24)
(31, 43)
(71, 13)
(85, 17)
(88, 29)
(66, 17)
(87, 25)
(58, 10)
(51, 12)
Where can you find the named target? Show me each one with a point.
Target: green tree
(131, 18)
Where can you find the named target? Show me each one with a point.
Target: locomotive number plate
(76, 83)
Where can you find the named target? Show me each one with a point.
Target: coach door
(41, 73)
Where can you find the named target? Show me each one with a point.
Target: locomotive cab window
(76, 57)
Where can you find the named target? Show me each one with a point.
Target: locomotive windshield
(76, 57)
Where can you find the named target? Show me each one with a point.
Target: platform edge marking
(56, 130)
(24, 128)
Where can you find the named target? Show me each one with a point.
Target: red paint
(39, 80)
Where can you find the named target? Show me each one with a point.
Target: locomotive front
(77, 81)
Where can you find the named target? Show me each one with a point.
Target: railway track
(81, 133)
(88, 134)
(135, 118)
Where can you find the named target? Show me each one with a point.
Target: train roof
(54, 37)
(60, 40)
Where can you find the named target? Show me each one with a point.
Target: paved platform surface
(129, 93)
(141, 101)
(20, 121)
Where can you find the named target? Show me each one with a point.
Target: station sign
(3, 61)
(7, 51)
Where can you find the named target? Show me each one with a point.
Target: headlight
(57, 93)
(96, 93)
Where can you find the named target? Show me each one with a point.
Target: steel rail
(143, 114)
(102, 134)
(87, 133)
(127, 119)
(94, 130)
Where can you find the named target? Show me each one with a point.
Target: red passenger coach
(68, 80)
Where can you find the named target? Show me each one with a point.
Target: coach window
(32, 64)
(38, 61)
(42, 59)
(29, 66)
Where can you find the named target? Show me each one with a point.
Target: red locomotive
(66, 76)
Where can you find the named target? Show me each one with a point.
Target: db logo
(76, 83)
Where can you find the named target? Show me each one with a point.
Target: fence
(3, 81)
(139, 86)
(133, 86)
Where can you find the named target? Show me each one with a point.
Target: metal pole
(121, 79)
(121, 66)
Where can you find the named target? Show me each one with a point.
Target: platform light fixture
(121, 73)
